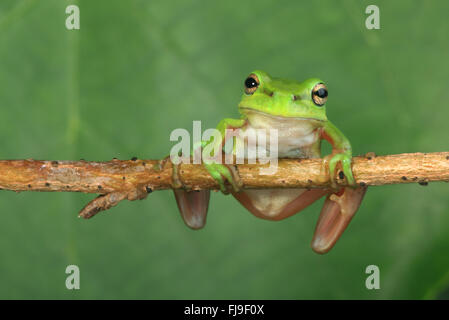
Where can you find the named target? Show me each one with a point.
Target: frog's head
(284, 98)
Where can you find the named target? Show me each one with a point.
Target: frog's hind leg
(297, 203)
(193, 206)
(337, 212)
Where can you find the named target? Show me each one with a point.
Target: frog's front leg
(341, 152)
(339, 207)
(193, 204)
(219, 171)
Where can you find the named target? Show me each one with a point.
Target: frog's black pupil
(250, 83)
(321, 92)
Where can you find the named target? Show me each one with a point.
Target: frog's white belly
(270, 202)
(297, 138)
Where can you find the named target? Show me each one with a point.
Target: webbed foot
(337, 212)
(193, 206)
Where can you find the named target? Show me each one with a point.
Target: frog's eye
(319, 94)
(251, 84)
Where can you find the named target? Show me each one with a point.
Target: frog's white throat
(296, 136)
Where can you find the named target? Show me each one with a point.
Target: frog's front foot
(345, 161)
(224, 173)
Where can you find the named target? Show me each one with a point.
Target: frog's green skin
(289, 107)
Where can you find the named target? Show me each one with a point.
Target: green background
(136, 70)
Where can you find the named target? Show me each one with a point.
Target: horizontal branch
(117, 180)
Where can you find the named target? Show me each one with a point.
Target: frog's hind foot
(337, 212)
(193, 206)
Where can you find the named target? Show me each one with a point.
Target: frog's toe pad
(337, 212)
(193, 206)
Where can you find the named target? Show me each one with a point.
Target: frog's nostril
(295, 97)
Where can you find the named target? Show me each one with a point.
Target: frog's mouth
(248, 111)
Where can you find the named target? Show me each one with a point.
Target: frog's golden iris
(319, 94)
(251, 84)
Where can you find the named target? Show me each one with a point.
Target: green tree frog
(297, 110)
